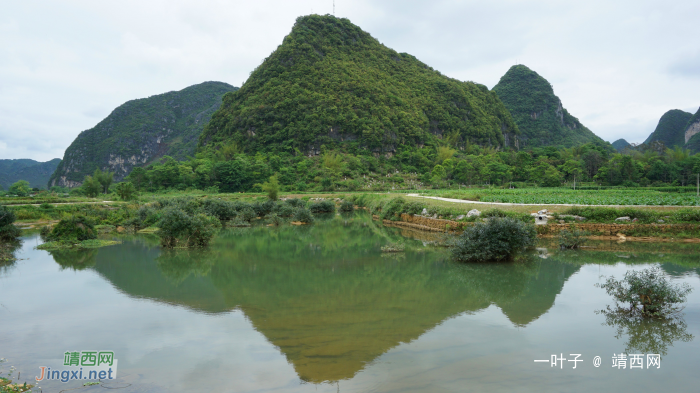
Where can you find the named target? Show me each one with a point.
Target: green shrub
(346, 206)
(648, 292)
(247, 214)
(74, 228)
(304, 215)
(284, 210)
(223, 210)
(274, 219)
(8, 231)
(322, 207)
(263, 208)
(498, 239)
(46, 206)
(692, 215)
(295, 202)
(572, 238)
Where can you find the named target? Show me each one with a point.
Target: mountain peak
(538, 112)
(330, 83)
(671, 128)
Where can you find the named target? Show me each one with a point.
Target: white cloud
(617, 66)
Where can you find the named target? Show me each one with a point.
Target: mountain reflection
(324, 295)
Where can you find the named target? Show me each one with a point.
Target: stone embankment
(551, 229)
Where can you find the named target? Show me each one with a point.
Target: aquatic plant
(394, 247)
(498, 239)
(648, 292)
(346, 206)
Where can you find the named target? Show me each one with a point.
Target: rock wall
(440, 225)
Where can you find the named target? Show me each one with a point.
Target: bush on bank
(498, 239)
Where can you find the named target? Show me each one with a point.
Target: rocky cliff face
(141, 131)
(693, 126)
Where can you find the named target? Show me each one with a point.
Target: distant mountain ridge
(620, 144)
(330, 83)
(35, 172)
(141, 131)
(538, 112)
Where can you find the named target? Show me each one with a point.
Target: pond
(320, 308)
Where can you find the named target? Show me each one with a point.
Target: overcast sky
(65, 65)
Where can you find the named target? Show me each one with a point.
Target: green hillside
(691, 131)
(538, 112)
(140, 131)
(620, 144)
(35, 172)
(330, 83)
(671, 128)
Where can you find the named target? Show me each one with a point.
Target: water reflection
(332, 303)
(646, 335)
(324, 294)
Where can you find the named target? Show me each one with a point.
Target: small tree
(498, 239)
(91, 186)
(20, 188)
(272, 187)
(648, 292)
(572, 238)
(125, 190)
(104, 178)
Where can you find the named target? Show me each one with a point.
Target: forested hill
(538, 112)
(140, 131)
(330, 83)
(692, 133)
(671, 129)
(35, 172)
(620, 144)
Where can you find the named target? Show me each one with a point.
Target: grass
(64, 245)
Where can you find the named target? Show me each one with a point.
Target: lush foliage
(538, 112)
(303, 215)
(671, 129)
(620, 145)
(330, 83)
(8, 231)
(497, 239)
(141, 131)
(648, 292)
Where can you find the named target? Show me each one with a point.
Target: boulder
(623, 219)
(543, 211)
(460, 217)
(473, 213)
(424, 212)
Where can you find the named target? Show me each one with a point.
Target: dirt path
(535, 204)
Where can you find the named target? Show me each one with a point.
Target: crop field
(542, 196)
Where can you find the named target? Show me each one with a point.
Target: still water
(319, 308)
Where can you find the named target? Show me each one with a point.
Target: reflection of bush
(7, 253)
(177, 265)
(75, 259)
(498, 283)
(647, 335)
